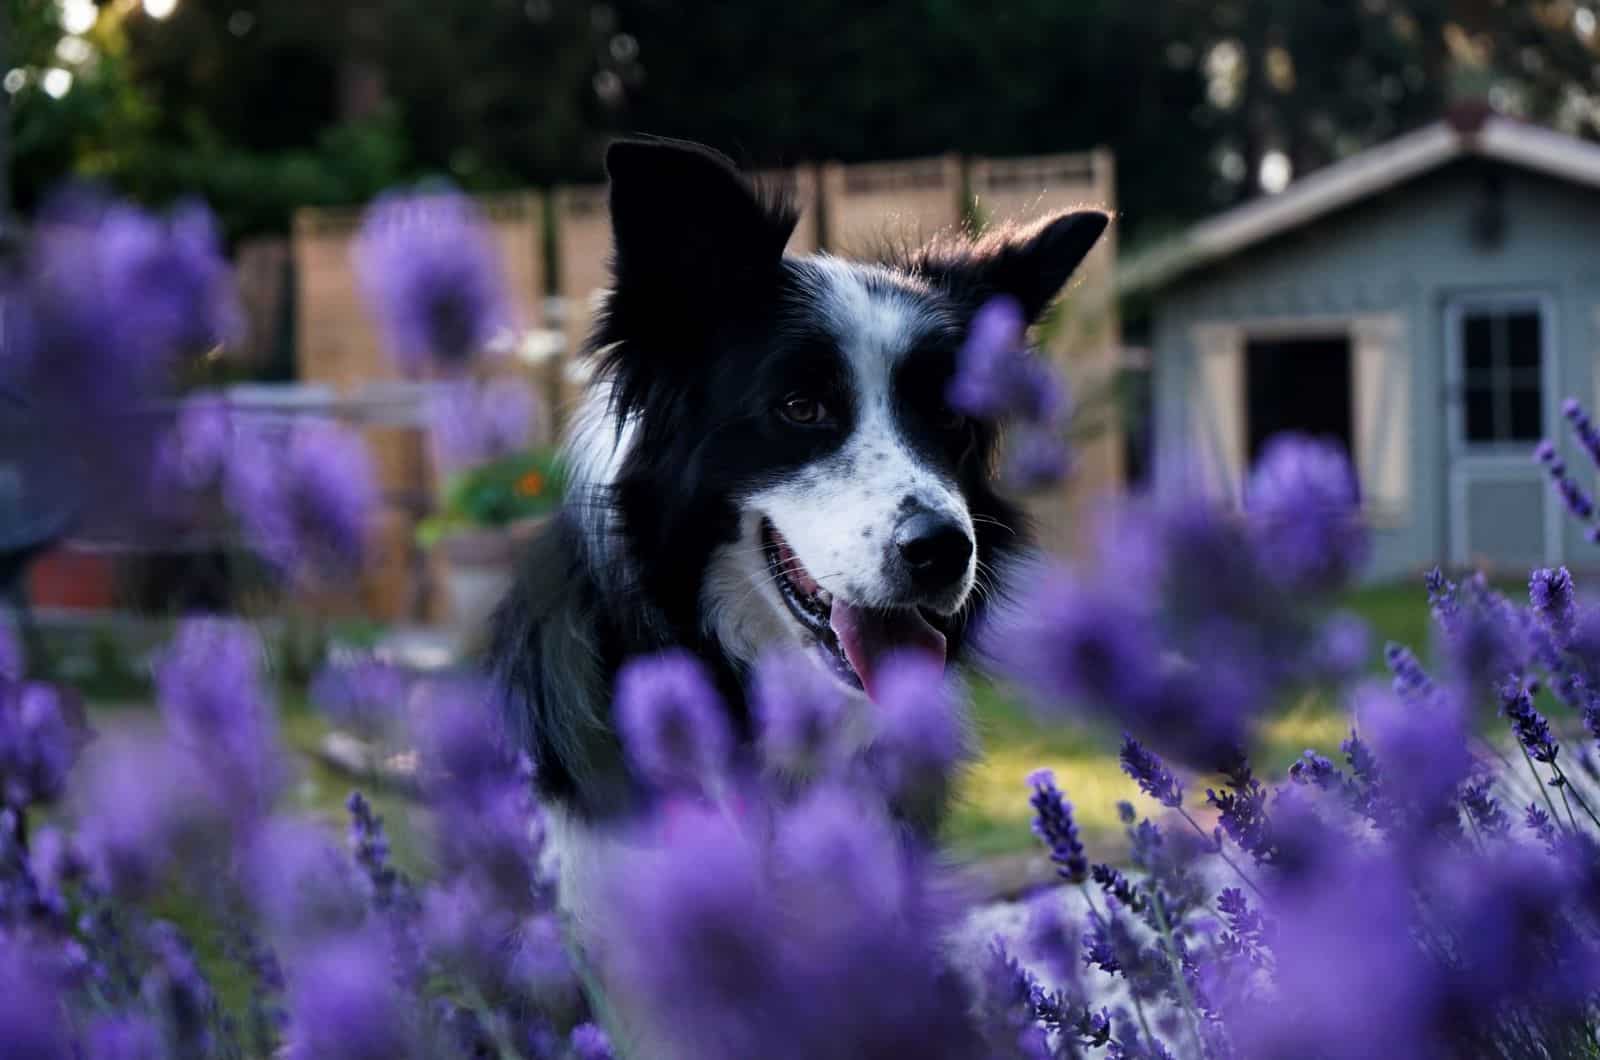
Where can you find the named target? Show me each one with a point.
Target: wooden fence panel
(869, 206)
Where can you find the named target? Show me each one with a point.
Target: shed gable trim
(1358, 177)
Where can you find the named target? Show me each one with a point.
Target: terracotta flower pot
(481, 564)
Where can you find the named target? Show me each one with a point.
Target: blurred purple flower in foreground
(922, 731)
(431, 277)
(307, 502)
(999, 379)
(344, 1004)
(124, 1038)
(32, 1019)
(143, 809)
(368, 695)
(214, 699)
(192, 457)
(37, 745)
(727, 948)
(800, 710)
(109, 303)
(114, 297)
(1304, 509)
(673, 723)
(12, 661)
(475, 423)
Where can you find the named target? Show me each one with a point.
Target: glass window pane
(1477, 341)
(1479, 414)
(1526, 415)
(1523, 340)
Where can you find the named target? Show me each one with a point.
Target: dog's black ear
(1031, 263)
(683, 216)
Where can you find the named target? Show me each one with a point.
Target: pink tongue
(868, 637)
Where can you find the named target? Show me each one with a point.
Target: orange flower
(531, 484)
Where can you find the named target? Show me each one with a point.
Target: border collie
(765, 459)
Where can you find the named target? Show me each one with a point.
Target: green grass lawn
(992, 815)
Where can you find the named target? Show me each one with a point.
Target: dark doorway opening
(1298, 384)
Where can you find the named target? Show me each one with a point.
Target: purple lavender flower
(496, 838)
(466, 931)
(212, 697)
(1303, 506)
(460, 737)
(1484, 810)
(1052, 940)
(54, 859)
(307, 503)
(1551, 594)
(123, 1038)
(369, 845)
(730, 952)
(431, 276)
(1242, 810)
(1349, 974)
(1411, 681)
(1035, 459)
(1582, 427)
(589, 1042)
(344, 1005)
(1423, 753)
(115, 297)
(32, 1019)
(12, 661)
(844, 830)
(37, 746)
(1116, 885)
(475, 423)
(1010, 996)
(799, 708)
(144, 808)
(1578, 502)
(1316, 770)
(1529, 726)
(176, 989)
(1538, 822)
(368, 695)
(1249, 934)
(191, 458)
(1151, 774)
(1343, 645)
(996, 378)
(696, 910)
(922, 731)
(673, 723)
(301, 883)
(1074, 643)
(1053, 824)
(487, 825)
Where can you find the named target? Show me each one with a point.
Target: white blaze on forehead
(873, 313)
(838, 514)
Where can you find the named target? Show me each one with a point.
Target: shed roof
(1467, 134)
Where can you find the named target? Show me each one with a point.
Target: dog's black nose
(935, 550)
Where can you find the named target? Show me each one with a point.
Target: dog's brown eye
(803, 410)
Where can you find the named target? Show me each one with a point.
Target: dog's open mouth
(853, 640)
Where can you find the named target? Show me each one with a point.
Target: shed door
(1500, 368)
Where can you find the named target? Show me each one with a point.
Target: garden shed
(1428, 302)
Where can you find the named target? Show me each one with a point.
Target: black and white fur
(698, 447)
